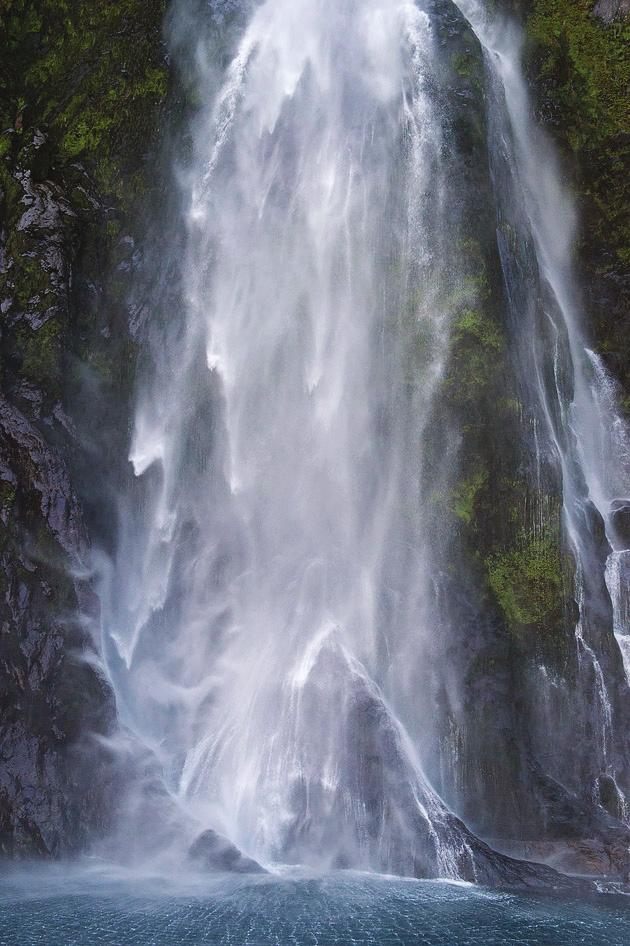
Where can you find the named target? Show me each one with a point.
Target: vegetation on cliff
(578, 59)
(91, 76)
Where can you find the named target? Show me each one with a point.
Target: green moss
(31, 279)
(474, 324)
(113, 229)
(476, 344)
(7, 498)
(527, 581)
(472, 287)
(86, 134)
(11, 191)
(468, 293)
(92, 76)
(42, 355)
(95, 78)
(583, 70)
(465, 495)
(467, 65)
(101, 367)
(579, 68)
(589, 64)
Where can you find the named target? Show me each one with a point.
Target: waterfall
(269, 618)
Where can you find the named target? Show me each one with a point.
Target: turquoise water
(56, 907)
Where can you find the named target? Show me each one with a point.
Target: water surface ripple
(54, 908)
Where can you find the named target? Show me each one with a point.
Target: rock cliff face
(83, 87)
(80, 96)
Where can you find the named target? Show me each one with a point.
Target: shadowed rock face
(50, 696)
(620, 521)
(53, 776)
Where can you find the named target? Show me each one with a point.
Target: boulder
(211, 851)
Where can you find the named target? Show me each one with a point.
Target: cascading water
(267, 623)
(276, 549)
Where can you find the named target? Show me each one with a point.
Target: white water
(286, 548)
(266, 624)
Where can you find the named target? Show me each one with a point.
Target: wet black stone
(620, 521)
(213, 852)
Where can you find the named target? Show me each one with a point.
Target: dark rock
(610, 798)
(620, 522)
(46, 476)
(587, 857)
(609, 10)
(54, 777)
(582, 836)
(213, 852)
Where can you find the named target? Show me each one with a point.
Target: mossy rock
(95, 77)
(465, 495)
(528, 580)
(42, 355)
(579, 67)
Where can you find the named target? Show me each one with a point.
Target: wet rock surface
(53, 780)
(212, 852)
(587, 858)
(53, 776)
(404, 828)
(64, 201)
(620, 522)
